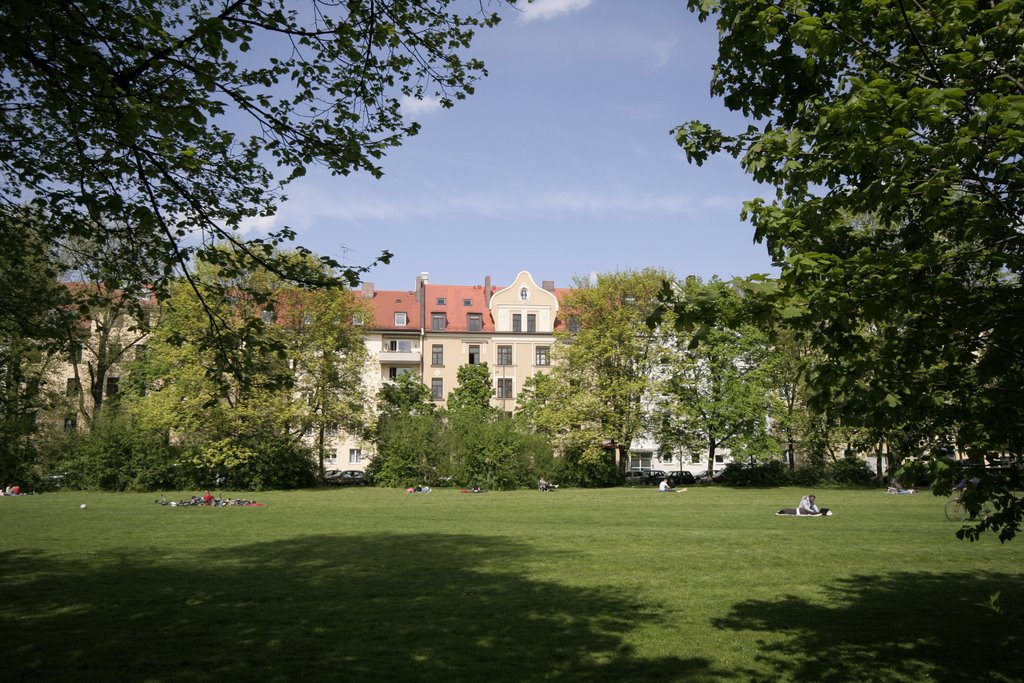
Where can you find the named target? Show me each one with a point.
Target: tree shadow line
(418, 607)
(897, 627)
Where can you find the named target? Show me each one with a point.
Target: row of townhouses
(432, 330)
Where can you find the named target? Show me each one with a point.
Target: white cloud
(415, 107)
(545, 10)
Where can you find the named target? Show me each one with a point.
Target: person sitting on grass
(545, 485)
(666, 485)
(808, 506)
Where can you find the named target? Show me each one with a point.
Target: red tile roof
(454, 307)
(386, 303)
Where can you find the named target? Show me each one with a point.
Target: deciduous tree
(601, 373)
(912, 115)
(715, 387)
(164, 125)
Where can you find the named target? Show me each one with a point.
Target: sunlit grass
(623, 584)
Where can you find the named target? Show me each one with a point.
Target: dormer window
(401, 319)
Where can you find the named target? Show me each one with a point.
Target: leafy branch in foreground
(893, 135)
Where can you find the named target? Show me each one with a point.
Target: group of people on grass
(207, 499)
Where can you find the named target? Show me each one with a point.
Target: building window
(112, 386)
(355, 456)
(358, 319)
(467, 302)
(437, 388)
(437, 354)
(531, 322)
(504, 355)
(517, 322)
(639, 461)
(474, 354)
(330, 456)
(399, 345)
(437, 321)
(401, 319)
(543, 356)
(441, 301)
(73, 387)
(395, 373)
(573, 324)
(504, 387)
(524, 294)
(474, 322)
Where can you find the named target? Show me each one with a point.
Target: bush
(117, 454)
(274, 462)
(773, 473)
(850, 471)
(592, 468)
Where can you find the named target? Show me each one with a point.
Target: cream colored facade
(515, 346)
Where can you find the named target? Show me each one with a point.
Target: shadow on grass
(402, 608)
(899, 627)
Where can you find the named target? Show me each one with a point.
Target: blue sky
(562, 162)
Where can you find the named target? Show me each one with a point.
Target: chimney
(487, 291)
(548, 285)
(367, 290)
(421, 281)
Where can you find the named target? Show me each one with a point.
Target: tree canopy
(715, 387)
(164, 125)
(892, 133)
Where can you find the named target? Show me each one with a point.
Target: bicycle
(956, 510)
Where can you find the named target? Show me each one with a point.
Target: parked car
(636, 478)
(347, 478)
(682, 477)
(655, 476)
(644, 477)
(703, 477)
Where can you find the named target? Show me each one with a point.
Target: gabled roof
(386, 303)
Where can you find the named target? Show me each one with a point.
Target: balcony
(400, 357)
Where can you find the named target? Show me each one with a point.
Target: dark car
(703, 478)
(682, 477)
(636, 477)
(655, 476)
(347, 478)
(644, 477)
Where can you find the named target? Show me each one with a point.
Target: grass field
(575, 585)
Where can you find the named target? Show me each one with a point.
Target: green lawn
(578, 585)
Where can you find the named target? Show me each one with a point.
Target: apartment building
(435, 329)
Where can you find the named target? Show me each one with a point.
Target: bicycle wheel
(955, 512)
(985, 511)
